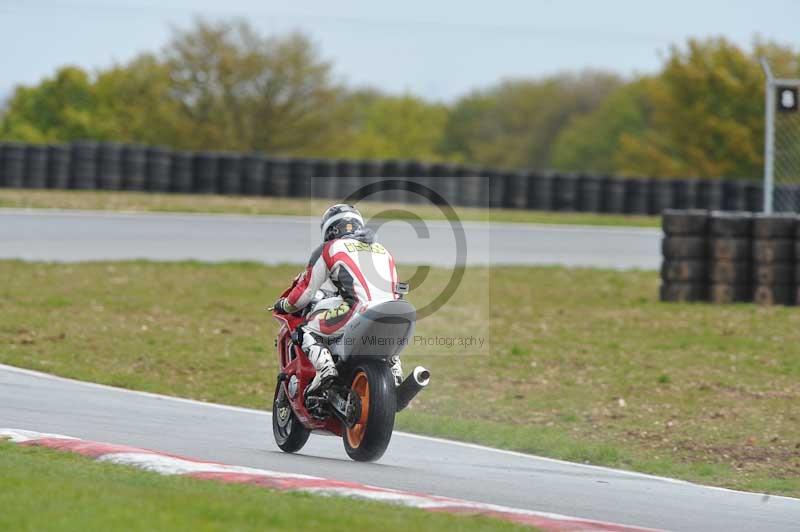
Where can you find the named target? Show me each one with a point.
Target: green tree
(240, 90)
(125, 103)
(393, 126)
(707, 113)
(214, 86)
(589, 142)
(134, 103)
(515, 123)
(59, 108)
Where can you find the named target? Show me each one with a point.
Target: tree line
(225, 86)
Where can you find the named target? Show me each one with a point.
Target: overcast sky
(438, 49)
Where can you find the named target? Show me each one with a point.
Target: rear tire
(290, 435)
(368, 439)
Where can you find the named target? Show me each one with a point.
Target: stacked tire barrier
(91, 165)
(797, 262)
(205, 168)
(684, 273)
(730, 247)
(134, 167)
(158, 166)
(109, 166)
(84, 165)
(254, 174)
(730, 257)
(58, 167)
(774, 260)
(12, 166)
(182, 173)
(36, 167)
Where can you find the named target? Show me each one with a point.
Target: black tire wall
(88, 164)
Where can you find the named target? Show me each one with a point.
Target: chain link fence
(782, 144)
(787, 151)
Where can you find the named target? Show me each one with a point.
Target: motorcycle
(360, 406)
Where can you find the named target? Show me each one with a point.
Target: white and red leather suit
(362, 270)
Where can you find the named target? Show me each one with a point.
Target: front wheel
(289, 433)
(367, 440)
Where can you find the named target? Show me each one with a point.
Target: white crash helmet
(340, 220)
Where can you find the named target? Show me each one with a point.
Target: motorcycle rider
(362, 271)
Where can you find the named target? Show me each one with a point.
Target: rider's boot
(397, 370)
(320, 356)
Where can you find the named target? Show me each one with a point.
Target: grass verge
(48, 490)
(584, 365)
(195, 203)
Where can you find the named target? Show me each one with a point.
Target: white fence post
(769, 138)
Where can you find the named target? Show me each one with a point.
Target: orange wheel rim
(356, 433)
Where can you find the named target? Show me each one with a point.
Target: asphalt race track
(238, 436)
(80, 236)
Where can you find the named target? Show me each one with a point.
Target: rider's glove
(283, 306)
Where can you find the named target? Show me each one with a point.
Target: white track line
(623, 472)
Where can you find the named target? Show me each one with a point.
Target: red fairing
(288, 321)
(310, 280)
(299, 287)
(293, 362)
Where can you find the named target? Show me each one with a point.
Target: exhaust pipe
(410, 387)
